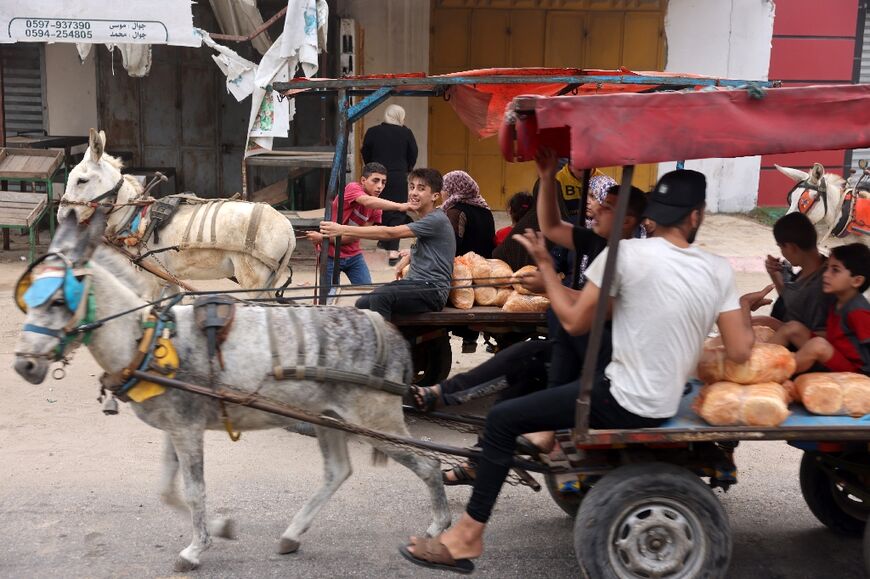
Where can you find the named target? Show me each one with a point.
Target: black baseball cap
(675, 195)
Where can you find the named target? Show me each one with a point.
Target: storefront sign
(98, 21)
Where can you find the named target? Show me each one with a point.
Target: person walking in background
(392, 144)
(517, 207)
(469, 214)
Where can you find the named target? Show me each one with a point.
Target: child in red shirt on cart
(846, 348)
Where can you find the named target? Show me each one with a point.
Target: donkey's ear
(96, 142)
(818, 172)
(92, 236)
(66, 235)
(793, 174)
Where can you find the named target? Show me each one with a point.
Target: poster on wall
(98, 21)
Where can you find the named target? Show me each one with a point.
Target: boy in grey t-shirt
(427, 285)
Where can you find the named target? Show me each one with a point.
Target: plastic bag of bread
(485, 296)
(730, 404)
(767, 363)
(461, 296)
(834, 393)
(477, 265)
(502, 296)
(523, 303)
(500, 273)
(763, 334)
(526, 269)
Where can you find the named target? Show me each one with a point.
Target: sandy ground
(78, 489)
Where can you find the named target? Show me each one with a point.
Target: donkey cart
(642, 509)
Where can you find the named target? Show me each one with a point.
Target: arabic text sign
(153, 22)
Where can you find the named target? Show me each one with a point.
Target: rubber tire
(434, 359)
(867, 548)
(625, 485)
(818, 493)
(569, 503)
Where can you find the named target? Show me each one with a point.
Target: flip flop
(423, 398)
(463, 476)
(432, 554)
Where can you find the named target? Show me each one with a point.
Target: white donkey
(819, 196)
(341, 338)
(205, 239)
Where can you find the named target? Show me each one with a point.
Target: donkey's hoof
(182, 565)
(287, 546)
(224, 529)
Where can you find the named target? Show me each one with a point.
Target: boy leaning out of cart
(846, 347)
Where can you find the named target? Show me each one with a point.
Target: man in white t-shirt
(665, 298)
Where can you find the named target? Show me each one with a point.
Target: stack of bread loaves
(755, 393)
(834, 393)
(491, 280)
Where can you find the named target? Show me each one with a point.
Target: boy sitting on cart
(427, 285)
(846, 345)
(665, 298)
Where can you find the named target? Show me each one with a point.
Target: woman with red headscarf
(469, 214)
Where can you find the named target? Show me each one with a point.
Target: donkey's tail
(282, 265)
(379, 458)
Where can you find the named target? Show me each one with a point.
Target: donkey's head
(816, 194)
(54, 293)
(96, 179)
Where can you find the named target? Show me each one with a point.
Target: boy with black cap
(668, 295)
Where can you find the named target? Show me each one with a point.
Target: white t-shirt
(666, 302)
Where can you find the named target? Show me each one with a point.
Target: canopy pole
(580, 218)
(336, 188)
(587, 379)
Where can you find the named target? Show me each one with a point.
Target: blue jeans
(353, 267)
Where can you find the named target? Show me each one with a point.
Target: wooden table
(298, 161)
(23, 209)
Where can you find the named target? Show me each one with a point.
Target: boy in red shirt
(847, 345)
(362, 207)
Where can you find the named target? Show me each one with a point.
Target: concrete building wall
(70, 90)
(395, 38)
(728, 38)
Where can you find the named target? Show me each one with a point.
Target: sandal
(423, 398)
(432, 554)
(463, 474)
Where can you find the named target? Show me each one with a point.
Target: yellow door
(469, 34)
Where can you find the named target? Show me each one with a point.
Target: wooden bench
(23, 211)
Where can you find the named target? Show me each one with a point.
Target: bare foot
(450, 475)
(426, 398)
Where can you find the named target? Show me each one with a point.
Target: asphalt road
(78, 499)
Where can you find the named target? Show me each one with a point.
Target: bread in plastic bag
(834, 393)
(526, 303)
(767, 363)
(730, 404)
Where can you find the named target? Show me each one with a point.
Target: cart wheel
(568, 502)
(432, 361)
(652, 520)
(831, 504)
(867, 548)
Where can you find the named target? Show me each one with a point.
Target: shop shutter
(23, 88)
(864, 78)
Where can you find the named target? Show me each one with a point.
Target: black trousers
(403, 296)
(550, 409)
(522, 365)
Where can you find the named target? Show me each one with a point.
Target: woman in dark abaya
(392, 144)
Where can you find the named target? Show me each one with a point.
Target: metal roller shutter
(864, 78)
(23, 88)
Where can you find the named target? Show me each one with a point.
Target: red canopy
(629, 129)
